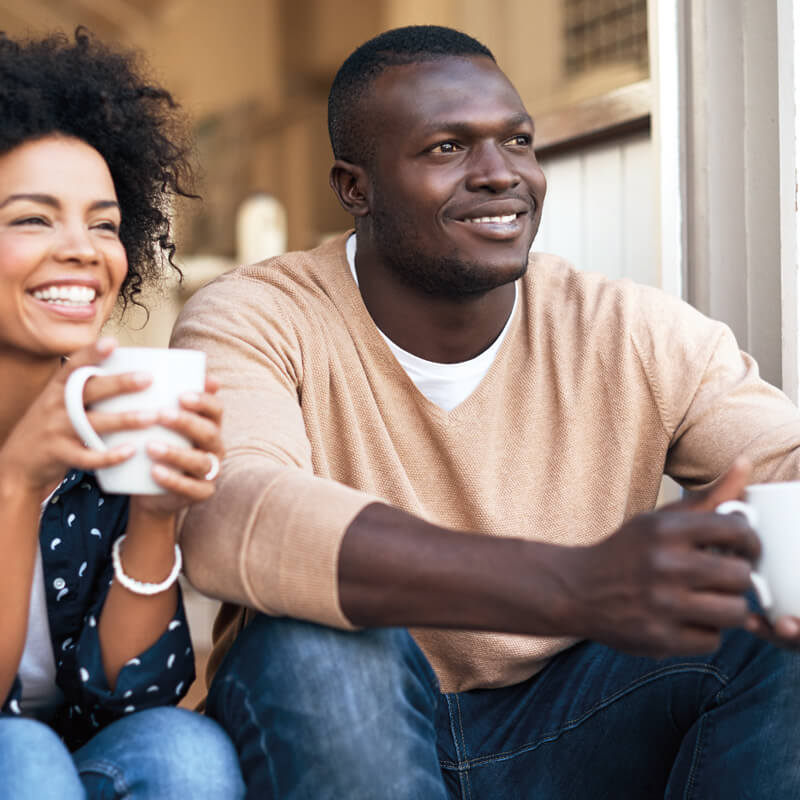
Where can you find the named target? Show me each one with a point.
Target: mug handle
(759, 581)
(76, 411)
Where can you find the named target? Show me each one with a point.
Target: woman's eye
(112, 227)
(30, 221)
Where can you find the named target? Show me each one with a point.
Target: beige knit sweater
(598, 388)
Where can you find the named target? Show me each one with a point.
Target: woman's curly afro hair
(101, 96)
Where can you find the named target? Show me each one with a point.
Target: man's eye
(445, 147)
(520, 140)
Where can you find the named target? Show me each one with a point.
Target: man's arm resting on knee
(667, 582)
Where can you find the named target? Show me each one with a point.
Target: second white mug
(773, 511)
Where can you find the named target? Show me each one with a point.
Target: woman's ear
(349, 181)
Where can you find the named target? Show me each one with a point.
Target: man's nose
(492, 168)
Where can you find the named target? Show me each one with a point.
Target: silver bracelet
(141, 587)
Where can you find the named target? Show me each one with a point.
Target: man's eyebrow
(465, 128)
(49, 200)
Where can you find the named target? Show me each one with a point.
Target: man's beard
(447, 276)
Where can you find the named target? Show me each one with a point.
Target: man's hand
(669, 582)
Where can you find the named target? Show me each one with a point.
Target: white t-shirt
(446, 385)
(37, 669)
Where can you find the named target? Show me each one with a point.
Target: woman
(92, 651)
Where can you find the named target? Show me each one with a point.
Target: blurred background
(254, 77)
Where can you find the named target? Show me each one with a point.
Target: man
(426, 429)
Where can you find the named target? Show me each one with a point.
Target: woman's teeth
(66, 295)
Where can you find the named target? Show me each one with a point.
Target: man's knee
(329, 713)
(282, 670)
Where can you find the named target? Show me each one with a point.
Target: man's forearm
(396, 569)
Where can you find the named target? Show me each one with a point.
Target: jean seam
(235, 683)
(689, 789)
(108, 769)
(574, 723)
(458, 766)
(463, 773)
(705, 721)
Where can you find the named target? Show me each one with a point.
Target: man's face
(455, 193)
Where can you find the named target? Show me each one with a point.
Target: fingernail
(157, 448)
(106, 344)
(126, 450)
(169, 415)
(190, 397)
(147, 417)
(142, 378)
(160, 472)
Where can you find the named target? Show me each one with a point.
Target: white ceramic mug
(773, 511)
(174, 372)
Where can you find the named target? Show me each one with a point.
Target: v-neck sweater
(599, 387)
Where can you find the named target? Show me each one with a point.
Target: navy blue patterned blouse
(79, 525)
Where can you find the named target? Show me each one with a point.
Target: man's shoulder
(281, 281)
(557, 284)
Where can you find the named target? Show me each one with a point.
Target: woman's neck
(23, 379)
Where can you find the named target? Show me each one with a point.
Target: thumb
(729, 486)
(91, 355)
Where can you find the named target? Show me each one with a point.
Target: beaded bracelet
(141, 587)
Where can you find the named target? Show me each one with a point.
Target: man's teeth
(66, 295)
(504, 220)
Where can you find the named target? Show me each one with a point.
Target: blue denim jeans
(320, 713)
(158, 754)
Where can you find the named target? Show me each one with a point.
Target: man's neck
(445, 330)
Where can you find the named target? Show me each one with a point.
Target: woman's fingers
(194, 463)
(102, 387)
(205, 404)
(104, 422)
(201, 431)
(175, 480)
(85, 459)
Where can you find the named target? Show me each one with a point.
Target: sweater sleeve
(713, 403)
(270, 537)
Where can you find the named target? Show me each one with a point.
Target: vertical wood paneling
(638, 196)
(599, 209)
(602, 204)
(561, 231)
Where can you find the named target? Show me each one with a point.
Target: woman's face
(61, 260)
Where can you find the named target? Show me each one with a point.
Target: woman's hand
(43, 445)
(182, 471)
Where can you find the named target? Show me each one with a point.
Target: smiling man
(434, 525)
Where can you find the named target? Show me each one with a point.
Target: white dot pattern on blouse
(78, 526)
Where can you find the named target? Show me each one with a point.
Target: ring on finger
(214, 470)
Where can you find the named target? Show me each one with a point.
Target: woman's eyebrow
(49, 200)
(46, 199)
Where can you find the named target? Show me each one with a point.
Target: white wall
(598, 212)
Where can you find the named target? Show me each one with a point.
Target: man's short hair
(414, 44)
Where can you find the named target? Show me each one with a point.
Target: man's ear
(349, 181)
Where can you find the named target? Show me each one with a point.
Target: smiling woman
(92, 647)
(61, 260)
